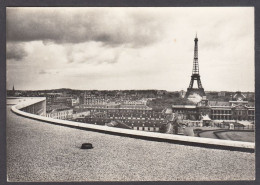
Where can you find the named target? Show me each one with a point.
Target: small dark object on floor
(86, 146)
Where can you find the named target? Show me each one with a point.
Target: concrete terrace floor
(39, 151)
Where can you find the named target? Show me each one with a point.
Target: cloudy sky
(129, 48)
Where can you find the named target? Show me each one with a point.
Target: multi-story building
(187, 111)
(59, 112)
(131, 115)
(74, 102)
(67, 101)
(88, 98)
(50, 97)
(232, 110)
(236, 109)
(95, 100)
(135, 102)
(99, 106)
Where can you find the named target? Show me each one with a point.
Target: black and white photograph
(130, 94)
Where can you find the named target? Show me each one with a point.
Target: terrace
(39, 151)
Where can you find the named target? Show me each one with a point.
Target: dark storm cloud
(15, 51)
(77, 26)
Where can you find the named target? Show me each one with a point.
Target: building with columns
(238, 108)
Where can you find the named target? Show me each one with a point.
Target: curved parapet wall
(187, 140)
(33, 105)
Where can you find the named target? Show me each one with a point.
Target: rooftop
(57, 108)
(219, 103)
(52, 153)
(185, 106)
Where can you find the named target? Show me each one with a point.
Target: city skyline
(129, 48)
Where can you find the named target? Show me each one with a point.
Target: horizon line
(127, 90)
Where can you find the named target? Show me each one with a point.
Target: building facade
(131, 115)
(238, 108)
(59, 112)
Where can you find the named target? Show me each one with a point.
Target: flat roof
(38, 151)
(184, 106)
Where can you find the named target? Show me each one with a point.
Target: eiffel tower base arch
(198, 91)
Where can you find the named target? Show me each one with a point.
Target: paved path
(38, 151)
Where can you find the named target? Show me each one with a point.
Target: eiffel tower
(195, 75)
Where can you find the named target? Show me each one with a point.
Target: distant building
(66, 101)
(221, 93)
(131, 115)
(95, 100)
(94, 106)
(187, 111)
(82, 98)
(182, 93)
(74, 102)
(51, 96)
(160, 93)
(13, 91)
(250, 95)
(88, 98)
(59, 112)
(135, 102)
(236, 109)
